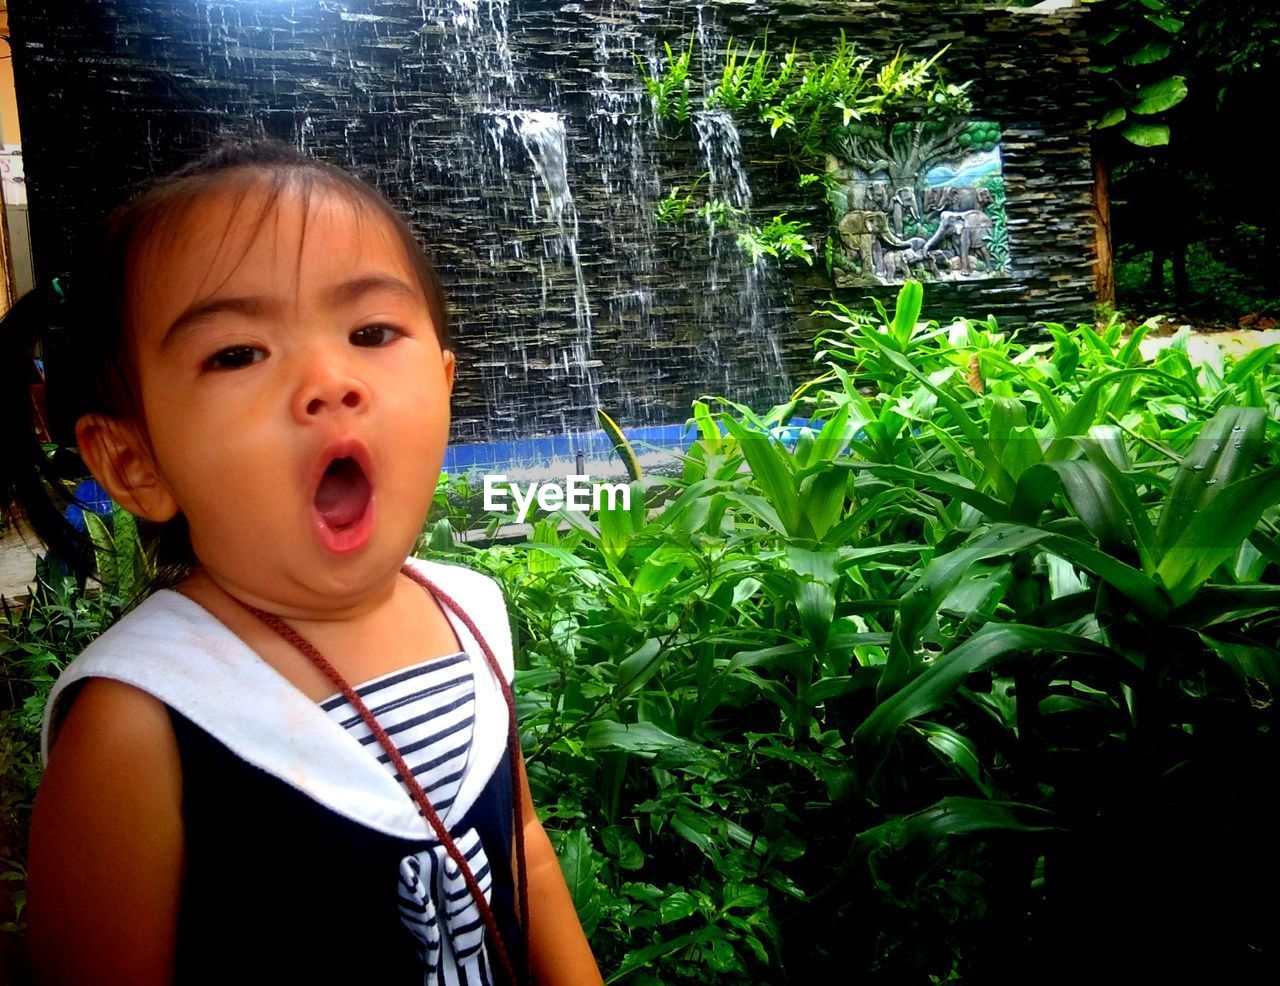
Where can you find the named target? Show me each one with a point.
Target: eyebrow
(250, 306)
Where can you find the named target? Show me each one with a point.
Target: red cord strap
(419, 795)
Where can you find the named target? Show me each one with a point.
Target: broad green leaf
(1147, 134)
(1215, 532)
(822, 499)
(957, 816)
(1111, 118)
(622, 846)
(1248, 659)
(1149, 53)
(991, 644)
(744, 590)
(1105, 450)
(971, 429)
(770, 468)
(677, 905)
(818, 564)
(816, 604)
(957, 750)
(1084, 413)
(643, 739)
(1150, 599)
(940, 576)
(1166, 23)
(660, 568)
(579, 863)
(642, 957)
(103, 550)
(761, 508)
(1224, 451)
(639, 667)
(620, 444)
(566, 558)
(1160, 96)
(906, 311)
(781, 654)
(677, 513)
(707, 426)
(956, 486)
(1086, 488)
(617, 525)
(441, 540)
(836, 433)
(693, 827)
(1254, 363)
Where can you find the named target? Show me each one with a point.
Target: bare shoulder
(106, 846)
(111, 712)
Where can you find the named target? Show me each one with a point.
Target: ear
(121, 462)
(450, 365)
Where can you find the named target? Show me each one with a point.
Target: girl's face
(295, 394)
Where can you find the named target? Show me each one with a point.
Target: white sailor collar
(176, 650)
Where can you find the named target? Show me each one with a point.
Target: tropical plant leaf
(939, 680)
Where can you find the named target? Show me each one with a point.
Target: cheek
(430, 414)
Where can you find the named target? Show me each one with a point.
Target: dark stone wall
(112, 92)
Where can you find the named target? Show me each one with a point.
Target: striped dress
(428, 710)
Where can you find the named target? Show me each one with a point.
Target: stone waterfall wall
(559, 302)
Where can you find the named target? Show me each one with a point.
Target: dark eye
(234, 357)
(374, 335)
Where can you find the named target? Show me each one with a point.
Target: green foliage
(1134, 48)
(806, 98)
(38, 638)
(980, 136)
(1217, 283)
(905, 661)
(778, 238)
(998, 241)
(457, 507)
(674, 207)
(752, 82)
(122, 561)
(668, 87)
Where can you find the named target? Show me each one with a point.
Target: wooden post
(1104, 278)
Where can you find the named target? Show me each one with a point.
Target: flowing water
(555, 163)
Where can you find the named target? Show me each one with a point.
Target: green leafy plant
(779, 238)
(38, 637)
(1134, 43)
(907, 659)
(809, 98)
(675, 206)
(668, 86)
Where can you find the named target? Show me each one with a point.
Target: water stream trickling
(543, 136)
(526, 139)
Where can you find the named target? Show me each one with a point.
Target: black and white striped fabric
(428, 710)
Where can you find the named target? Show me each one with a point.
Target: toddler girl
(298, 762)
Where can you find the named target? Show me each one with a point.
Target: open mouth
(343, 495)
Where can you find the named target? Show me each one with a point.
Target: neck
(386, 632)
(303, 608)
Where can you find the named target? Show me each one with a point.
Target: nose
(328, 384)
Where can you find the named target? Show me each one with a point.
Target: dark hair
(79, 327)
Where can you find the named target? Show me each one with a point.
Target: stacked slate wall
(112, 92)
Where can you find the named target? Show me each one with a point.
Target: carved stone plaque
(921, 200)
